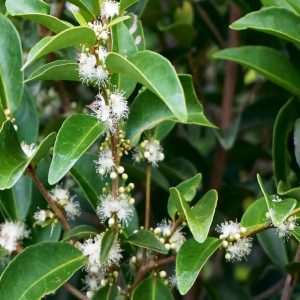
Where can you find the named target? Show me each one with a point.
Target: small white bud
(162, 274)
(121, 170)
(173, 246)
(167, 233)
(133, 259)
(131, 201)
(111, 222)
(268, 214)
(131, 185)
(221, 236)
(237, 236)
(157, 230)
(147, 154)
(121, 189)
(168, 246)
(113, 175)
(101, 171)
(103, 282)
(227, 256)
(162, 240)
(225, 244)
(161, 156)
(124, 176)
(243, 230)
(291, 227)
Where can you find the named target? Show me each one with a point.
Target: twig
(227, 102)
(61, 9)
(148, 196)
(210, 25)
(72, 290)
(58, 212)
(290, 280)
(145, 269)
(270, 291)
(116, 158)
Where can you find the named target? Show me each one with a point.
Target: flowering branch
(148, 195)
(58, 212)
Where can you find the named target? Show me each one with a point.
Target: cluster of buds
(150, 151)
(45, 217)
(236, 246)
(29, 150)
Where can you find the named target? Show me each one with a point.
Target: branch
(72, 290)
(148, 195)
(58, 212)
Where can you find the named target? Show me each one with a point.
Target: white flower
(72, 208)
(119, 105)
(177, 239)
(102, 53)
(173, 280)
(40, 216)
(284, 229)
(91, 249)
(110, 206)
(60, 195)
(230, 230)
(152, 151)
(11, 233)
(28, 149)
(100, 110)
(105, 162)
(101, 75)
(87, 67)
(109, 8)
(239, 249)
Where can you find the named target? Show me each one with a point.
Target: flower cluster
(237, 247)
(173, 239)
(151, 151)
(44, 217)
(11, 234)
(115, 207)
(29, 150)
(62, 197)
(96, 270)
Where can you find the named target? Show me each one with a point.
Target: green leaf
(85, 175)
(123, 43)
(70, 37)
(84, 9)
(106, 244)
(187, 189)
(80, 232)
(154, 111)
(266, 61)
(255, 214)
(13, 161)
(107, 293)
(146, 239)
(56, 70)
(284, 124)
(44, 148)
(11, 78)
(297, 141)
(273, 20)
(296, 234)
(199, 217)
(76, 135)
(152, 288)
(190, 259)
(27, 119)
(39, 270)
(37, 11)
(136, 30)
(161, 80)
(279, 210)
(16, 201)
(124, 4)
(291, 5)
(273, 246)
(283, 190)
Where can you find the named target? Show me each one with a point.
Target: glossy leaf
(296, 234)
(84, 9)
(16, 201)
(124, 4)
(75, 136)
(39, 270)
(37, 11)
(80, 232)
(154, 111)
(11, 78)
(297, 141)
(70, 37)
(284, 190)
(291, 5)
(273, 20)
(123, 43)
(161, 80)
(273, 246)
(13, 161)
(146, 239)
(279, 210)
(190, 259)
(284, 124)
(85, 175)
(266, 61)
(107, 242)
(255, 214)
(56, 70)
(199, 217)
(107, 293)
(152, 288)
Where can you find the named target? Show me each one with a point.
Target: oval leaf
(161, 80)
(266, 61)
(67, 38)
(39, 270)
(80, 232)
(106, 243)
(146, 239)
(107, 293)
(190, 259)
(75, 136)
(11, 78)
